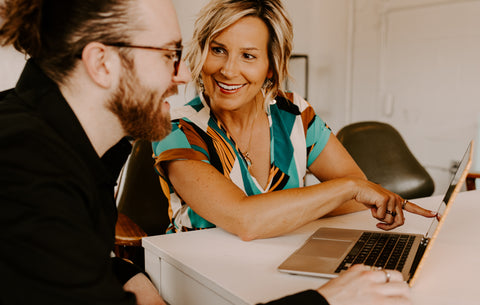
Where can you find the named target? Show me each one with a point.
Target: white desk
(216, 267)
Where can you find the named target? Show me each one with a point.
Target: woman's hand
(363, 285)
(387, 206)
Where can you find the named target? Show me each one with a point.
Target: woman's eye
(248, 56)
(217, 50)
(170, 56)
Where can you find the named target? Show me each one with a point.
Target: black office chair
(142, 206)
(384, 157)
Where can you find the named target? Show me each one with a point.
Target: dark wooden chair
(470, 182)
(384, 157)
(142, 206)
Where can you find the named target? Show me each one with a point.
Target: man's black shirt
(57, 209)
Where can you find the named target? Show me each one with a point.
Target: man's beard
(139, 108)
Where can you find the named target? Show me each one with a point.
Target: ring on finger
(387, 276)
(404, 203)
(391, 213)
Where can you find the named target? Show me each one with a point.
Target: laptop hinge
(418, 256)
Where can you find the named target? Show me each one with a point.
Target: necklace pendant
(247, 159)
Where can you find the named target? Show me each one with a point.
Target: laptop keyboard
(389, 251)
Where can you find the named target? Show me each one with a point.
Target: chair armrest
(127, 232)
(471, 181)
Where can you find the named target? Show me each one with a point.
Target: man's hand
(144, 290)
(363, 285)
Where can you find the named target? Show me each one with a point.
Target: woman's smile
(229, 88)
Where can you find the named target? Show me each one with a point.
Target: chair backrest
(384, 157)
(141, 197)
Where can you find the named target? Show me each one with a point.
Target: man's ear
(100, 64)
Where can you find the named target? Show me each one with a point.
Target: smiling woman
(239, 152)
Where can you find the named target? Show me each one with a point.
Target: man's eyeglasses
(176, 59)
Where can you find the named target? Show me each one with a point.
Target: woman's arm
(220, 201)
(335, 162)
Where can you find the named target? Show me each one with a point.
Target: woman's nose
(229, 68)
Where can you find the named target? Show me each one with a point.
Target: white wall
(320, 30)
(417, 67)
(11, 64)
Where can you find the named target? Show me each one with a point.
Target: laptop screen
(457, 177)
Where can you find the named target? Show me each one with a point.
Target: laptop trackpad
(325, 248)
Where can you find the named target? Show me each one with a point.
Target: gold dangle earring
(267, 83)
(201, 85)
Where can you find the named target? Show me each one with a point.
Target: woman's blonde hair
(218, 15)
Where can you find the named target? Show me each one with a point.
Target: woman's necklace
(245, 155)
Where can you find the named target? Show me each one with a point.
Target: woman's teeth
(227, 87)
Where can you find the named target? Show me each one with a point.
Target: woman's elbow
(245, 231)
(246, 234)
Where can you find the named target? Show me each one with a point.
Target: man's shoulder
(25, 136)
(5, 93)
(17, 119)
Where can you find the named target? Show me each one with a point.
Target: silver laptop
(329, 251)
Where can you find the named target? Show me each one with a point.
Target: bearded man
(97, 76)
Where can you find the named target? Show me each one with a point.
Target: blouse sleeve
(317, 131)
(185, 142)
(317, 137)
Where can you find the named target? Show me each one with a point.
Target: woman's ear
(100, 63)
(270, 73)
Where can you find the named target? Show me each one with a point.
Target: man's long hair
(54, 32)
